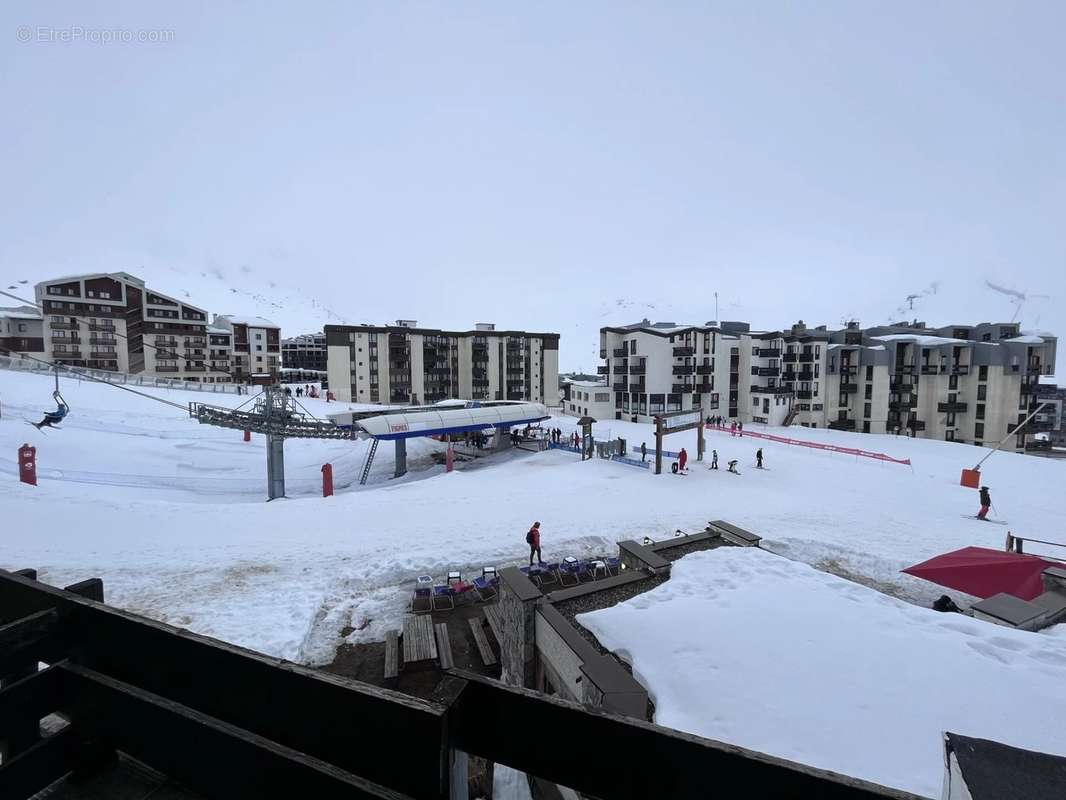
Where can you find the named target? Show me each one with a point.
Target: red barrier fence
(851, 451)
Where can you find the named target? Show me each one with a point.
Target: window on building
(986, 337)
(259, 337)
(949, 436)
(982, 392)
(869, 392)
(950, 419)
(979, 413)
(982, 373)
(657, 402)
(869, 373)
(867, 409)
(866, 426)
(979, 430)
(953, 382)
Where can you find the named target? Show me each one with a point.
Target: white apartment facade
(21, 331)
(405, 364)
(588, 399)
(255, 347)
(966, 383)
(112, 321)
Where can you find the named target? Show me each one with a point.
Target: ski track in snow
(196, 547)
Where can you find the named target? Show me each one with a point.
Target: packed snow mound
(755, 650)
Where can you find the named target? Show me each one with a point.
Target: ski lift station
(443, 419)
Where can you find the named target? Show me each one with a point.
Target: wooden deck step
(492, 614)
(444, 645)
(482, 641)
(392, 654)
(419, 643)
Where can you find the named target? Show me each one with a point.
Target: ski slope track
(171, 514)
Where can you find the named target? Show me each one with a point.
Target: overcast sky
(551, 166)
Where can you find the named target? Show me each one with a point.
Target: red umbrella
(983, 572)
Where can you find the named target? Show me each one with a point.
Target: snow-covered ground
(192, 543)
(759, 651)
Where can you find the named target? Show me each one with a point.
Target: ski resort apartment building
(967, 383)
(588, 399)
(255, 348)
(112, 321)
(21, 331)
(306, 352)
(402, 363)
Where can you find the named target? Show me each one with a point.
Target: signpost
(676, 422)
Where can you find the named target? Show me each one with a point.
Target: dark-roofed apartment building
(112, 321)
(403, 363)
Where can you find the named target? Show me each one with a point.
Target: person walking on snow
(533, 540)
(733, 428)
(682, 459)
(758, 458)
(643, 452)
(740, 429)
(986, 501)
(714, 460)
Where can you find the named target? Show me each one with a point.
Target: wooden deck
(419, 643)
(482, 641)
(392, 654)
(444, 645)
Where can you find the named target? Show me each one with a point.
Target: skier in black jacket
(986, 501)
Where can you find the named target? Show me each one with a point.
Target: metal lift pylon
(275, 416)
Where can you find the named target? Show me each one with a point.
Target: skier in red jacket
(682, 459)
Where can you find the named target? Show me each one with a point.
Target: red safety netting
(851, 451)
(983, 572)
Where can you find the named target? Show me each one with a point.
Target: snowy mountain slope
(286, 577)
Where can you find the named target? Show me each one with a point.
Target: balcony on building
(639, 388)
(769, 352)
(619, 352)
(804, 394)
(756, 389)
(917, 424)
(68, 354)
(166, 368)
(102, 340)
(104, 354)
(702, 388)
(905, 369)
(842, 424)
(480, 382)
(683, 369)
(622, 369)
(769, 372)
(734, 363)
(603, 370)
(682, 388)
(849, 388)
(65, 326)
(195, 368)
(101, 326)
(959, 408)
(806, 358)
(902, 385)
(790, 358)
(637, 369)
(603, 352)
(930, 369)
(66, 339)
(960, 369)
(901, 405)
(705, 369)
(684, 351)
(618, 387)
(805, 375)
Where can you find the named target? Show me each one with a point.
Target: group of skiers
(555, 436)
(736, 427)
(306, 391)
(682, 459)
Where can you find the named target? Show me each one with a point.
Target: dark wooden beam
(24, 641)
(91, 589)
(559, 740)
(36, 768)
(386, 737)
(211, 757)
